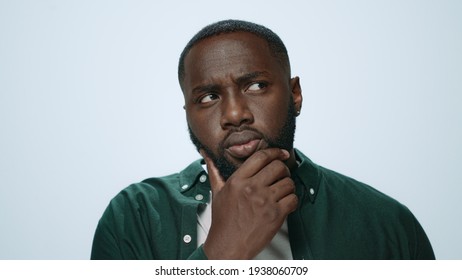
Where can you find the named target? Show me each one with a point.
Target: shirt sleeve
(104, 242)
(423, 248)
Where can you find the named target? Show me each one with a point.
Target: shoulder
(158, 190)
(367, 199)
(348, 194)
(364, 222)
(351, 188)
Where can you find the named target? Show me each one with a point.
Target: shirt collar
(194, 182)
(307, 174)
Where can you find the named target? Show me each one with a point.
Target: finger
(273, 172)
(282, 189)
(260, 159)
(288, 204)
(216, 180)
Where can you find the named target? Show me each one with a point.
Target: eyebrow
(250, 76)
(205, 88)
(240, 80)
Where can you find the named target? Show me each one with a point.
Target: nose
(235, 111)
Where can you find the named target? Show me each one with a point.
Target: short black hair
(275, 43)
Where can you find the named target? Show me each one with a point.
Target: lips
(243, 144)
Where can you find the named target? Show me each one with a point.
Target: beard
(284, 140)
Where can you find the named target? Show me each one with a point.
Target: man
(269, 200)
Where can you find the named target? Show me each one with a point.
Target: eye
(256, 86)
(208, 98)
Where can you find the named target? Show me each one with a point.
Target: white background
(89, 103)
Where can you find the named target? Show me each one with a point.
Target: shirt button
(311, 191)
(203, 178)
(184, 187)
(187, 238)
(199, 197)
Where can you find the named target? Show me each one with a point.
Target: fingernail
(286, 153)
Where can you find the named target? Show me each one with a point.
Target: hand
(251, 206)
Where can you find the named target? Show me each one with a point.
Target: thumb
(216, 180)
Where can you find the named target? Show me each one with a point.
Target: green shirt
(337, 218)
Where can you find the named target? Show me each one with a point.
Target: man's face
(238, 99)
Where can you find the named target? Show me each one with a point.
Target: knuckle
(286, 183)
(249, 187)
(249, 190)
(279, 164)
(290, 183)
(259, 202)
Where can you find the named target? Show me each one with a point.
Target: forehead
(229, 54)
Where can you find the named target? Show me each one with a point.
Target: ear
(296, 94)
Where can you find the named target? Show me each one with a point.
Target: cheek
(270, 114)
(205, 128)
